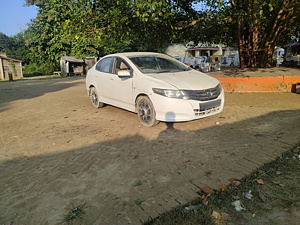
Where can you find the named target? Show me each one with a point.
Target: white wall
(176, 50)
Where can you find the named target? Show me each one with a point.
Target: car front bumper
(179, 110)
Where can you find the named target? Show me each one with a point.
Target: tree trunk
(257, 41)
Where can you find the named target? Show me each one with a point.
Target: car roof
(129, 54)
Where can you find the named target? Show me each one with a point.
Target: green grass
(279, 193)
(74, 214)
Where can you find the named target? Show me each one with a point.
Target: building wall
(10, 66)
(180, 50)
(176, 50)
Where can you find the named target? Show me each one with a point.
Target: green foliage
(37, 69)
(15, 46)
(257, 26)
(97, 27)
(5, 43)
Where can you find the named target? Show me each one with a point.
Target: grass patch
(275, 193)
(138, 202)
(74, 215)
(138, 183)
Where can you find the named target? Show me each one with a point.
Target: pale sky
(14, 16)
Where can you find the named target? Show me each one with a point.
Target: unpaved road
(57, 152)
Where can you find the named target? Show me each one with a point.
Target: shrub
(37, 69)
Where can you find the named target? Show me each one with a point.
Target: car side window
(120, 64)
(104, 65)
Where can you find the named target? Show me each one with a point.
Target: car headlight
(171, 93)
(219, 88)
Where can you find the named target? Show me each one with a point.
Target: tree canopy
(98, 27)
(94, 27)
(260, 26)
(15, 46)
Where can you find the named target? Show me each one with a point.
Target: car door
(115, 90)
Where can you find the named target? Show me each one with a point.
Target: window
(158, 64)
(121, 65)
(104, 65)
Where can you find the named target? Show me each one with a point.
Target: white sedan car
(155, 86)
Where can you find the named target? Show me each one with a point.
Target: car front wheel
(95, 98)
(146, 112)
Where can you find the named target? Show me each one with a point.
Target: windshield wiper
(164, 71)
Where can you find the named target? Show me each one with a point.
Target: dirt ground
(57, 152)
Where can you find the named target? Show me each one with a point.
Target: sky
(14, 16)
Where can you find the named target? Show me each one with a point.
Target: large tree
(254, 26)
(15, 46)
(260, 25)
(98, 27)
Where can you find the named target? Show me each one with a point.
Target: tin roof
(71, 59)
(16, 60)
(204, 48)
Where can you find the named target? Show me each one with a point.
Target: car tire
(146, 112)
(95, 98)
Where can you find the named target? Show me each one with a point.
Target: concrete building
(10, 67)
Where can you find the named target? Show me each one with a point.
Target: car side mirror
(124, 73)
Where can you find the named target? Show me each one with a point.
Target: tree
(15, 46)
(256, 26)
(259, 27)
(5, 42)
(97, 27)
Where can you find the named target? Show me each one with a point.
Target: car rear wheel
(95, 98)
(146, 112)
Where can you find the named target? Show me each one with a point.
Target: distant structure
(292, 53)
(197, 56)
(10, 68)
(70, 65)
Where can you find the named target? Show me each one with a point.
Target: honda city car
(155, 86)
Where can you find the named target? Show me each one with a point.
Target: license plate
(209, 105)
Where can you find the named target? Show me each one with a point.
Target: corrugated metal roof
(10, 59)
(205, 48)
(71, 59)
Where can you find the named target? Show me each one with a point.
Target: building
(10, 68)
(70, 65)
(196, 56)
(202, 49)
(292, 54)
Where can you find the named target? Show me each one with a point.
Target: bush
(37, 69)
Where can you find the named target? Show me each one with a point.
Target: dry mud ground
(57, 152)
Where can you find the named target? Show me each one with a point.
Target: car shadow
(132, 179)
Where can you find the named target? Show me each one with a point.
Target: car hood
(187, 80)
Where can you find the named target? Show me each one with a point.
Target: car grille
(204, 95)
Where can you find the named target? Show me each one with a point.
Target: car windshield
(158, 64)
